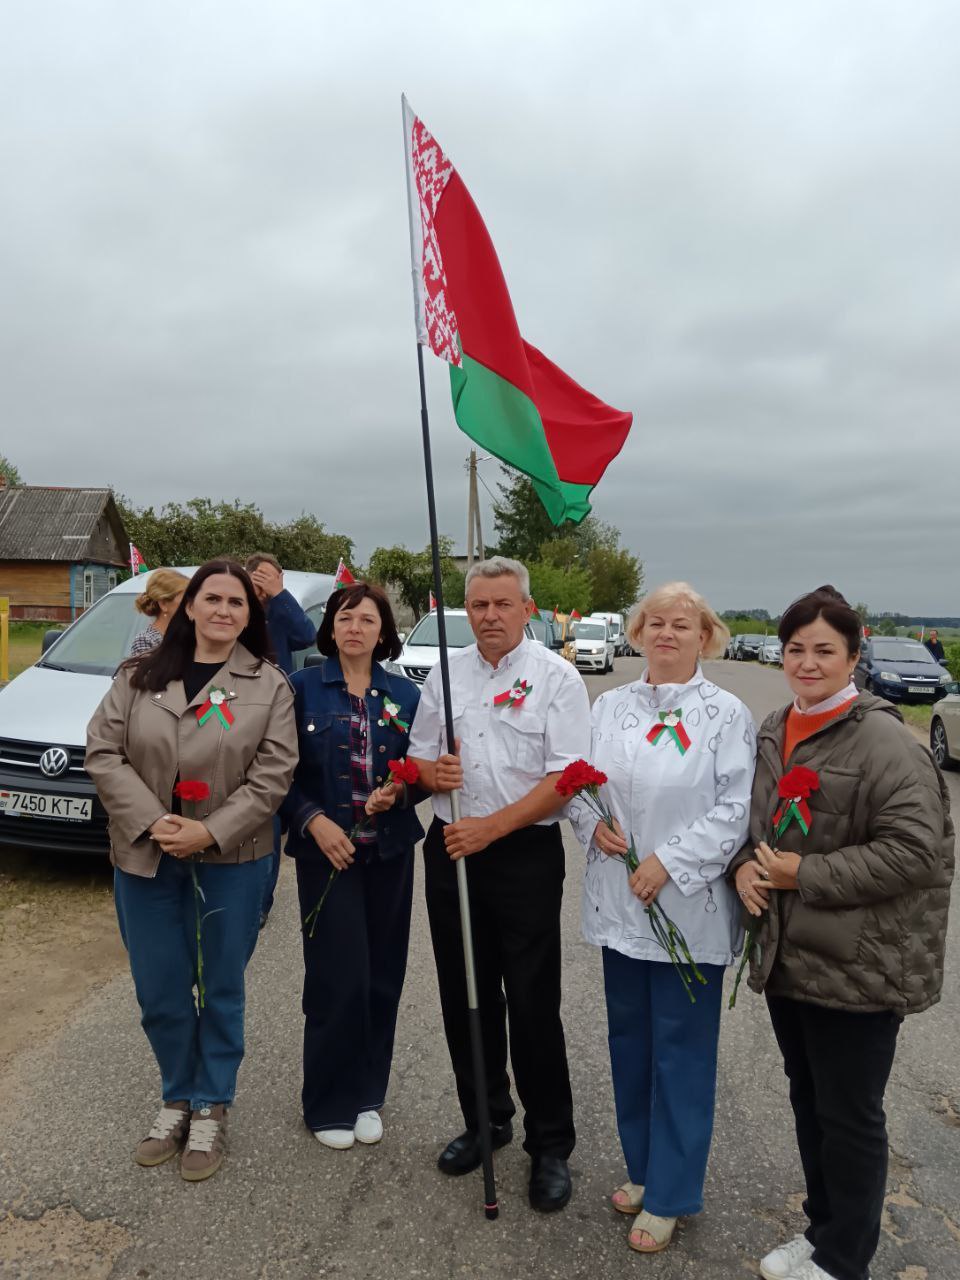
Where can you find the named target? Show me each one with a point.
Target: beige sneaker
(206, 1145)
(166, 1137)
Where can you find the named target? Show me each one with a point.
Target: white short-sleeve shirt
(505, 749)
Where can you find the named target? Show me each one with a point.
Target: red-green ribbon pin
(794, 809)
(670, 724)
(391, 716)
(215, 705)
(514, 696)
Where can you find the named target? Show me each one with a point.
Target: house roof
(44, 523)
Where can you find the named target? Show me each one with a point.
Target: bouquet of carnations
(582, 779)
(402, 771)
(794, 790)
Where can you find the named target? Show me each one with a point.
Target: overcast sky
(740, 220)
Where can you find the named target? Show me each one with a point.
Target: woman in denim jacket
(352, 834)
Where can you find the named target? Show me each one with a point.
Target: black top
(198, 675)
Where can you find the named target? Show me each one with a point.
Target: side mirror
(314, 660)
(49, 638)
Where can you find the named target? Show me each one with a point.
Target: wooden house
(60, 549)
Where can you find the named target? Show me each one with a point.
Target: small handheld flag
(343, 576)
(137, 562)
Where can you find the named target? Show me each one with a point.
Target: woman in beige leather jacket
(205, 707)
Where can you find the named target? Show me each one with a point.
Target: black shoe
(550, 1185)
(263, 919)
(463, 1154)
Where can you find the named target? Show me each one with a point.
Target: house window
(111, 580)
(87, 588)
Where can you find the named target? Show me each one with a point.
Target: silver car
(945, 729)
(771, 651)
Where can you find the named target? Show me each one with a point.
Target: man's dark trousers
(516, 888)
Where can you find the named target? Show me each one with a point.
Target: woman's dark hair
(826, 603)
(170, 660)
(389, 645)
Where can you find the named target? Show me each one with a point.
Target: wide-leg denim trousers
(663, 1055)
(198, 1050)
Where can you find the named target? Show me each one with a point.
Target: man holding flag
(521, 716)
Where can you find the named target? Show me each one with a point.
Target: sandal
(660, 1231)
(630, 1198)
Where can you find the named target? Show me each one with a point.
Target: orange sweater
(799, 727)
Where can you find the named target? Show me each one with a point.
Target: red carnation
(192, 792)
(798, 783)
(407, 771)
(578, 777)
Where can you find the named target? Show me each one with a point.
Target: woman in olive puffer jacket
(847, 878)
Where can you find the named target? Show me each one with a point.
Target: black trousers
(354, 969)
(516, 887)
(838, 1064)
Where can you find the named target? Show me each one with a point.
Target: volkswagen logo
(54, 761)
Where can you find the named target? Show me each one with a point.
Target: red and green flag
(535, 612)
(343, 576)
(507, 396)
(137, 562)
(576, 616)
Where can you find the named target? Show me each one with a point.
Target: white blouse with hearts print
(679, 760)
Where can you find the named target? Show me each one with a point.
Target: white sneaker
(338, 1139)
(369, 1127)
(781, 1264)
(809, 1271)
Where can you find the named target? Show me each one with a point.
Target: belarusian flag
(507, 396)
(556, 613)
(575, 616)
(343, 577)
(536, 611)
(433, 602)
(137, 562)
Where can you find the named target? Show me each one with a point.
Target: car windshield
(459, 634)
(100, 639)
(591, 631)
(754, 639)
(539, 629)
(902, 651)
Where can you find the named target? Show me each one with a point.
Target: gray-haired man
(521, 715)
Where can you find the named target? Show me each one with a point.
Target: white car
(615, 625)
(47, 802)
(945, 729)
(421, 649)
(771, 651)
(594, 645)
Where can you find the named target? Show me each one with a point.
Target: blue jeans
(663, 1056)
(198, 1050)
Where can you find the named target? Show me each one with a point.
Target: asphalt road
(77, 1206)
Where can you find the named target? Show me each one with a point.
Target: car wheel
(939, 745)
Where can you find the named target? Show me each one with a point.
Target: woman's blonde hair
(669, 596)
(163, 584)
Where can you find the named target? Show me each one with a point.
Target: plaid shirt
(361, 769)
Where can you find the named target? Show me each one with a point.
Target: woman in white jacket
(679, 755)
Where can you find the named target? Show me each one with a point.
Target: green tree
(616, 577)
(863, 610)
(887, 627)
(552, 586)
(200, 529)
(411, 574)
(10, 473)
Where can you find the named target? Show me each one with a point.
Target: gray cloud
(739, 221)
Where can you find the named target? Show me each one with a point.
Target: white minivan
(47, 802)
(615, 625)
(594, 645)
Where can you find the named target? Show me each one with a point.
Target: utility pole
(474, 530)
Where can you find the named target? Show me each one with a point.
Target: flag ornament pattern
(137, 562)
(507, 396)
(671, 725)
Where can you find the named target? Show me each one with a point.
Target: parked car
(945, 728)
(421, 650)
(900, 670)
(615, 623)
(47, 801)
(732, 645)
(748, 646)
(547, 632)
(771, 651)
(594, 645)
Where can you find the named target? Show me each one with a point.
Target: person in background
(847, 872)
(158, 600)
(521, 715)
(205, 707)
(935, 645)
(352, 718)
(683, 795)
(289, 629)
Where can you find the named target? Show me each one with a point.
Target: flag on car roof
(575, 615)
(343, 577)
(137, 562)
(536, 611)
(507, 396)
(433, 602)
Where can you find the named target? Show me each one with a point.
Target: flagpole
(490, 1206)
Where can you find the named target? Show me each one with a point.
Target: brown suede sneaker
(206, 1144)
(166, 1137)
